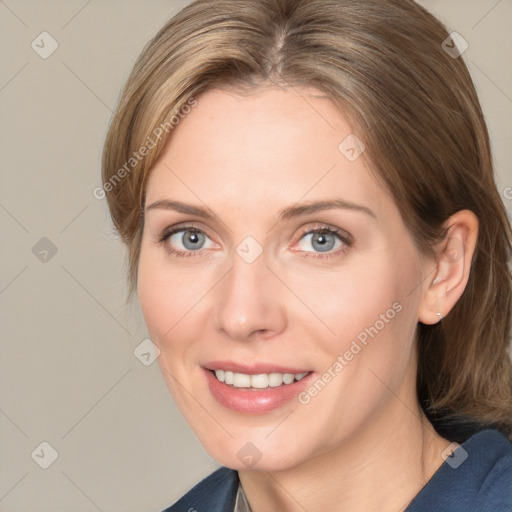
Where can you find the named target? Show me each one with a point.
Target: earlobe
(451, 268)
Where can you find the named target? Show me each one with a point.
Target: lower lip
(252, 401)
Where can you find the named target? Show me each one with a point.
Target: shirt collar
(241, 503)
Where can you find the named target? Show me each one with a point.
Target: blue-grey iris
(194, 238)
(326, 241)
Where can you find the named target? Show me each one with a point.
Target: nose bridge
(249, 297)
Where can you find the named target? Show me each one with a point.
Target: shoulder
(477, 478)
(215, 493)
(495, 486)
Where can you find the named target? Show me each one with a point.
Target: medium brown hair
(412, 104)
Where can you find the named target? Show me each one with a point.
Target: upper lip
(253, 368)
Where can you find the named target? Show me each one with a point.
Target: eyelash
(319, 229)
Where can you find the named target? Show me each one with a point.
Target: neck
(381, 468)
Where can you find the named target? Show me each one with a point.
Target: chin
(254, 453)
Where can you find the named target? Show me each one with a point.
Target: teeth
(275, 380)
(288, 378)
(241, 380)
(259, 381)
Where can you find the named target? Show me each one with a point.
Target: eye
(324, 239)
(185, 241)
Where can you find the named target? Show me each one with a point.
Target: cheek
(350, 300)
(166, 296)
(375, 336)
(168, 299)
(366, 314)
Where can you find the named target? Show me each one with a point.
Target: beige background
(68, 375)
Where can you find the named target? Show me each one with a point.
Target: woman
(306, 191)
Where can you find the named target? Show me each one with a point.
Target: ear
(450, 271)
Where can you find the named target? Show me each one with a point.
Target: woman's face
(264, 281)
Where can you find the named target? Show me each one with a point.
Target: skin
(362, 443)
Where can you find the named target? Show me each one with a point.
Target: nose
(249, 301)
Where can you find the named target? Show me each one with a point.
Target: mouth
(255, 389)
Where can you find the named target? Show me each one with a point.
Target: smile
(257, 388)
(258, 381)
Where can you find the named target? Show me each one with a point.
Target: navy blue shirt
(476, 478)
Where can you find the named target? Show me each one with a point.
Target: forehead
(269, 147)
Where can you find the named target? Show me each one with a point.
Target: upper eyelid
(183, 227)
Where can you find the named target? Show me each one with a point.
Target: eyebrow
(286, 213)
